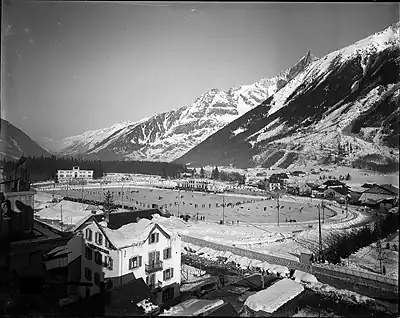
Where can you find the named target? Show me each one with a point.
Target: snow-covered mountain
(14, 143)
(342, 108)
(167, 136)
(84, 142)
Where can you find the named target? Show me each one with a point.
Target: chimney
(107, 217)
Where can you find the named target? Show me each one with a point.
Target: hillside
(342, 108)
(14, 143)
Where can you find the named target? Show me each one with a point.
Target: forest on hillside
(45, 168)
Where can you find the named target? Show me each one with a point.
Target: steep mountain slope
(84, 142)
(340, 108)
(14, 143)
(167, 136)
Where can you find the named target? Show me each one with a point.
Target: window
(88, 234)
(168, 273)
(88, 253)
(168, 294)
(108, 262)
(98, 258)
(97, 279)
(167, 253)
(154, 238)
(88, 274)
(107, 243)
(99, 238)
(135, 262)
(151, 280)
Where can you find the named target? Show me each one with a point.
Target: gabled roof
(118, 219)
(331, 183)
(390, 188)
(378, 190)
(312, 185)
(119, 301)
(342, 191)
(367, 185)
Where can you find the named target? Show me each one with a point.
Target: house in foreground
(120, 247)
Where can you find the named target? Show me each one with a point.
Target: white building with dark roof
(138, 249)
(75, 174)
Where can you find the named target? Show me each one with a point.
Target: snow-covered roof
(137, 233)
(272, 298)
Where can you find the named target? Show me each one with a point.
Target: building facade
(106, 262)
(75, 174)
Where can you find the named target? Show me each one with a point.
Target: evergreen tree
(108, 203)
(348, 177)
(216, 173)
(201, 172)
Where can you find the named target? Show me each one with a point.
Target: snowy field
(245, 208)
(367, 258)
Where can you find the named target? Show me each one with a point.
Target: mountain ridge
(309, 117)
(14, 143)
(166, 136)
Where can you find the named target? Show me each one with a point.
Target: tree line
(224, 175)
(45, 168)
(344, 245)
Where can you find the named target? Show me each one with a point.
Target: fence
(340, 273)
(352, 272)
(250, 254)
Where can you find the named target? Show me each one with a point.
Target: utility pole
(319, 231)
(122, 193)
(62, 227)
(179, 200)
(223, 207)
(323, 211)
(277, 205)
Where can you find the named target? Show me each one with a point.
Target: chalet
(334, 184)
(339, 194)
(281, 178)
(293, 189)
(379, 192)
(272, 185)
(367, 185)
(120, 247)
(298, 173)
(307, 188)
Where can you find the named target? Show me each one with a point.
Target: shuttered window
(167, 253)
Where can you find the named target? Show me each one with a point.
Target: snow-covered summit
(167, 136)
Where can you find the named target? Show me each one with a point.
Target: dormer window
(88, 234)
(154, 238)
(99, 238)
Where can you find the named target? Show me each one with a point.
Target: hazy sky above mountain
(70, 67)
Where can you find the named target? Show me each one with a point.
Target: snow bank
(300, 276)
(351, 297)
(272, 298)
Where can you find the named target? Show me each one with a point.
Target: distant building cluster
(75, 175)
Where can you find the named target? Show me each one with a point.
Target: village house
(334, 184)
(307, 188)
(379, 192)
(338, 194)
(124, 246)
(278, 178)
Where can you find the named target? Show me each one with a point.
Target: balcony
(154, 267)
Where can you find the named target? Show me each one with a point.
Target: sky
(68, 67)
